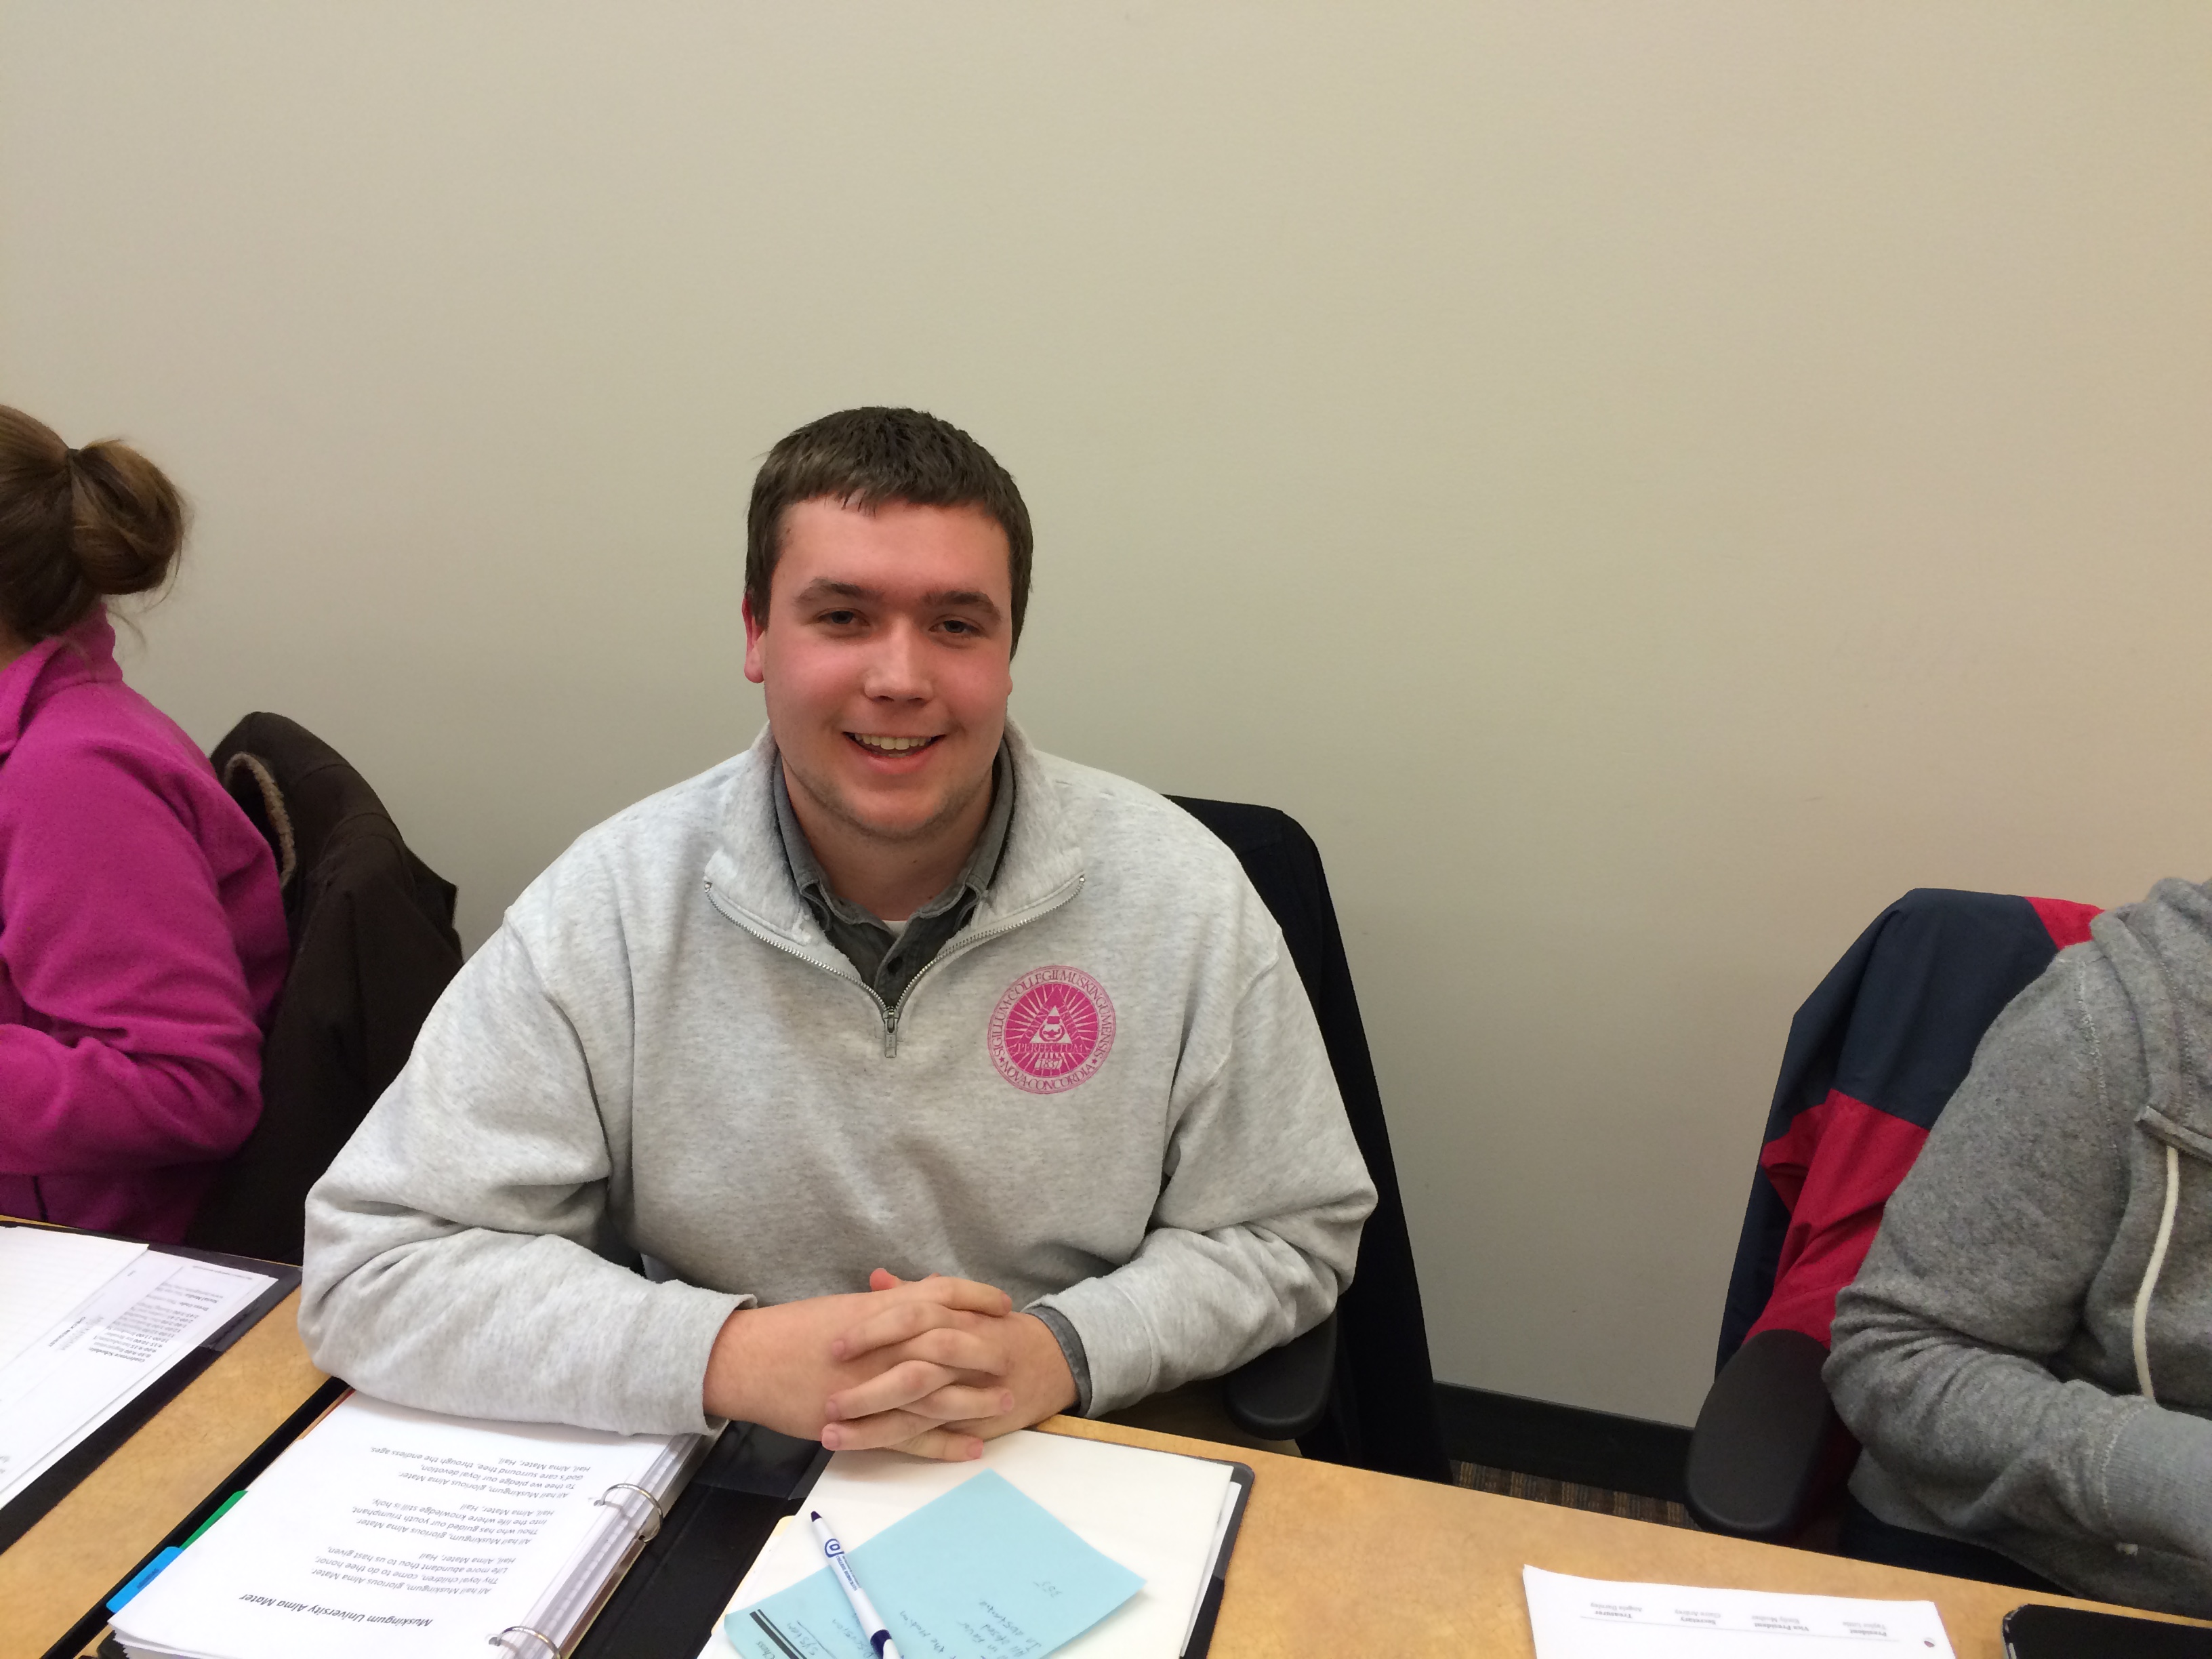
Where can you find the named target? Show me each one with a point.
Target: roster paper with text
(86, 1324)
(1599, 1618)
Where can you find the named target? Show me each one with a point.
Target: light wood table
(117, 1515)
(1332, 1560)
(1328, 1559)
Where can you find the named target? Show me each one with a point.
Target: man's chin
(892, 812)
(899, 820)
(897, 830)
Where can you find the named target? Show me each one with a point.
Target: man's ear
(754, 629)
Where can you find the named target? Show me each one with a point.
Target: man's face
(885, 658)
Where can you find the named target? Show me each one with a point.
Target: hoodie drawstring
(2151, 1272)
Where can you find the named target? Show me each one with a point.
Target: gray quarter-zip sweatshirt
(2027, 1354)
(1106, 1094)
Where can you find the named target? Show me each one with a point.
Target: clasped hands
(932, 1366)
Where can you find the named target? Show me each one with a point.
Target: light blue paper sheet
(981, 1573)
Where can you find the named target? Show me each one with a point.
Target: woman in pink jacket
(141, 936)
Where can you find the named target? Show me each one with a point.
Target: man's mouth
(887, 746)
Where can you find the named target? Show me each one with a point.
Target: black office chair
(1873, 1055)
(1357, 1388)
(372, 946)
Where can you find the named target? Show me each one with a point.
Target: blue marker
(842, 1570)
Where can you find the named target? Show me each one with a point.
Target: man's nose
(898, 668)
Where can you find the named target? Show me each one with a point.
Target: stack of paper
(384, 1531)
(1598, 1619)
(981, 1568)
(1154, 1517)
(87, 1323)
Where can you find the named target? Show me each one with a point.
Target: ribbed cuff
(1071, 1350)
(660, 1380)
(1118, 1350)
(2153, 1482)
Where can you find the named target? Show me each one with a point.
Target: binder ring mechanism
(517, 1634)
(652, 1527)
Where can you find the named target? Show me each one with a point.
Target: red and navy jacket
(1873, 1055)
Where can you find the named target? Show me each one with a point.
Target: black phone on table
(2044, 1632)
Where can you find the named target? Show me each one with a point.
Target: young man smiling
(937, 1085)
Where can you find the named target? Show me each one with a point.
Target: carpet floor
(1510, 1483)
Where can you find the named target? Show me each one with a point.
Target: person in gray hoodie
(891, 1084)
(2027, 1353)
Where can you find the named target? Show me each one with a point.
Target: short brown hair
(77, 526)
(863, 457)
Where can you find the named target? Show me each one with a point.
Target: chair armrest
(1768, 1449)
(1284, 1392)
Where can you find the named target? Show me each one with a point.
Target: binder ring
(551, 1646)
(650, 1502)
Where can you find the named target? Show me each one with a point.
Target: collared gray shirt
(888, 962)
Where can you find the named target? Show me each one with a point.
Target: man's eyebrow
(958, 598)
(964, 598)
(823, 588)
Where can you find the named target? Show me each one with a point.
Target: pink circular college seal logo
(1051, 1030)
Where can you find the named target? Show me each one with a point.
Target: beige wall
(1646, 484)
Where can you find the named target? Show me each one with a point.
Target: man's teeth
(893, 745)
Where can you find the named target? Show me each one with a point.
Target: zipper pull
(890, 1034)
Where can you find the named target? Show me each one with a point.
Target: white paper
(89, 1365)
(1159, 1515)
(45, 1274)
(1598, 1619)
(384, 1531)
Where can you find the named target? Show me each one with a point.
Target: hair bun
(77, 526)
(126, 519)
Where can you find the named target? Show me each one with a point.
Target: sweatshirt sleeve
(141, 1049)
(454, 1249)
(1257, 1230)
(1948, 1346)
